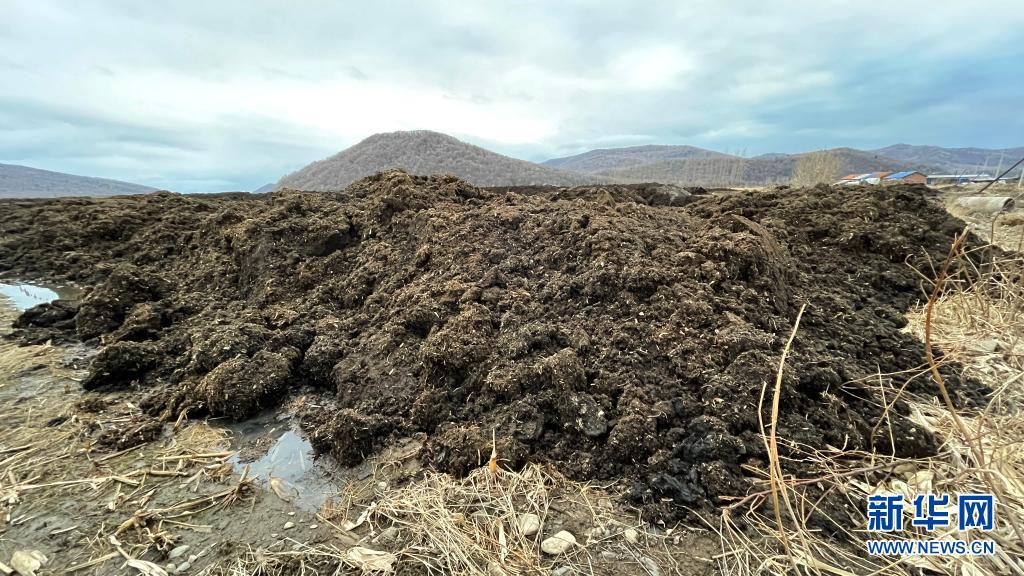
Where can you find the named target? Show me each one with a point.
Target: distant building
(957, 178)
(907, 176)
(850, 178)
(866, 178)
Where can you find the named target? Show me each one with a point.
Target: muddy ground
(211, 498)
(619, 333)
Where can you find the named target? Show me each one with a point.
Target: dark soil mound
(603, 328)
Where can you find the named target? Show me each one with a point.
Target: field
(707, 383)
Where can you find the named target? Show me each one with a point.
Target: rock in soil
(178, 551)
(26, 562)
(529, 524)
(558, 543)
(620, 333)
(650, 566)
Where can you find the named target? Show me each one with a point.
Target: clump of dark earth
(623, 332)
(46, 321)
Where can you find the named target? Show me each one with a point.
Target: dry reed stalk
(771, 442)
(933, 366)
(978, 449)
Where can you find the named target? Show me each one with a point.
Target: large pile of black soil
(611, 329)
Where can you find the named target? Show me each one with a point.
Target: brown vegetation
(764, 170)
(816, 168)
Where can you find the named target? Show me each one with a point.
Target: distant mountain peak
(424, 152)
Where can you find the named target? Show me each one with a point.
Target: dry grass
(473, 525)
(48, 459)
(15, 359)
(32, 455)
(303, 559)
(439, 524)
(977, 320)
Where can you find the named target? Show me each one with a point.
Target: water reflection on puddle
(290, 458)
(25, 296)
(289, 461)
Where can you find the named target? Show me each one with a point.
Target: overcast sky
(228, 95)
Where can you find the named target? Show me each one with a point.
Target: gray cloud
(229, 95)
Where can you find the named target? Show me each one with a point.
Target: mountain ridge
(762, 170)
(425, 152)
(955, 160)
(604, 159)
(17, 181)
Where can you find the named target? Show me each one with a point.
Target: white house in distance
(906, 177)
(874, 178)
(958, 178)
(865, 178)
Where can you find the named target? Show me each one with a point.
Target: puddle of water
(25, 296)
(305, 481)
(290, 459)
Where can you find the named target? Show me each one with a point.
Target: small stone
(529, 524)
(650, 565)
(289, 525)
(986, 346)
(171, 567)
(184, 566)
(313, 526)
(26, 562)
(563, 571)
(608, 555)
(387, 536)
(176, 552)
(631, 536)
(273, 535)
(193, 557)
(558, 543)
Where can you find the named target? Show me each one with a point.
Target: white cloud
(651, 68)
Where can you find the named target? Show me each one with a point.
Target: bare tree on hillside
(815, 168)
